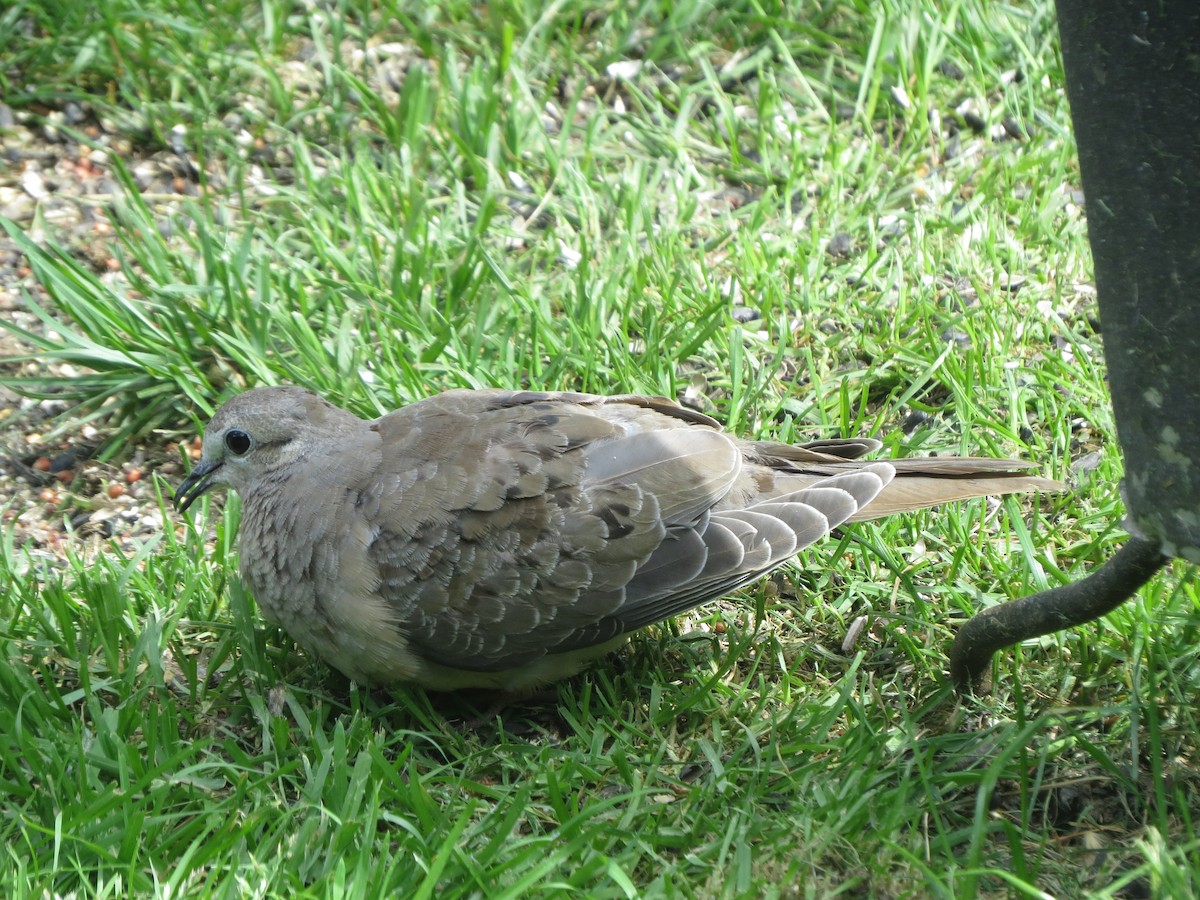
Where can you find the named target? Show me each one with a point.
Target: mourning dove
(505, 539)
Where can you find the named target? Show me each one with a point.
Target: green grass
(400, 198)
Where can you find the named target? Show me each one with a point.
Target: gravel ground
(55, 496)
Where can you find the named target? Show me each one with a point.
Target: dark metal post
(1133, 79)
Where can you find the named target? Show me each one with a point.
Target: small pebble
(915, 419)
(840, 246)
(115, 489)
(65, 461)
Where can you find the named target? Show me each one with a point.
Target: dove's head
(256, 433)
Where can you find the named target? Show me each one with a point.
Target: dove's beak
(198, 481)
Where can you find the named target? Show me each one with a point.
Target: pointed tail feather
(919, 482)
(929, 481)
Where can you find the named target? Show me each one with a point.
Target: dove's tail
(919, 481)
(927, 482)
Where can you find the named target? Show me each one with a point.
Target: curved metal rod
(1053, 610)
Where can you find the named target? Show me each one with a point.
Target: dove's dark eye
(237, 442)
